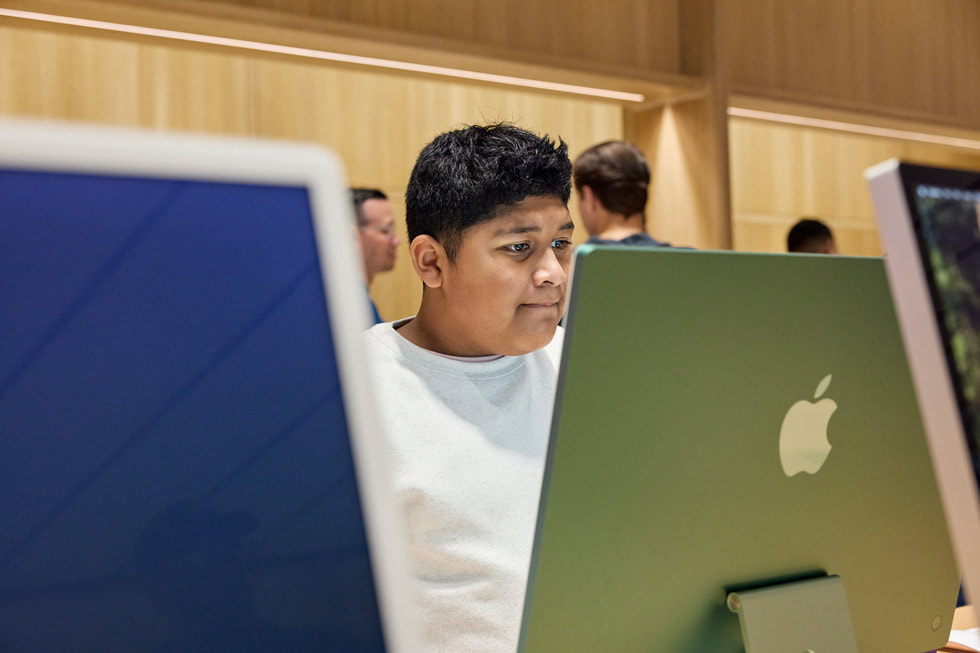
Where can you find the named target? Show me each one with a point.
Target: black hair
(618, 174)
(808, 235)
(361, 195)
(465, 176)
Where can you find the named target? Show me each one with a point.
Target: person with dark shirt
(612, 181)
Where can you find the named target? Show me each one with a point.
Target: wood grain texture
(640, 34)
(781, 173)
(686, 143)
(917, 59)
(568, 47)
(914, 59)
(376, 122)
(831, 56)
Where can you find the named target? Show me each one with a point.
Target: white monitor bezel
(934, 385)
(69, 147)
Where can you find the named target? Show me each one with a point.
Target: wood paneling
(686, 143)
(831, 55)
(907, 58)
(629, 46)
(376, 122)
(781, 173)
(640, 34)
(684, 206)
(915, 59)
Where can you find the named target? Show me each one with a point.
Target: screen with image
(949, 233)
(176, 472)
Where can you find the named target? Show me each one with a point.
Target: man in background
(810, 236)
(377, 235)
(612, 180)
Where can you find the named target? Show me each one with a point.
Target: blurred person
(612, 181)
(377, 235)
(810, 236)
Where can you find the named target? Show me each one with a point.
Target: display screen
(949, 238)
(175, 465)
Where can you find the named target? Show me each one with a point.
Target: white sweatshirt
(468, 442)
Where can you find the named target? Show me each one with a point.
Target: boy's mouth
(553, 304)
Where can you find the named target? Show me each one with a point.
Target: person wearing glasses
(377, 235)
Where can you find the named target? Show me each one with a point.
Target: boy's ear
(429, 260)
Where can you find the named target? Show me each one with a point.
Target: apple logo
(803, 445)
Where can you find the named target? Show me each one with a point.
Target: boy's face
(505, 292)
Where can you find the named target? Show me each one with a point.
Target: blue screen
(175, 464)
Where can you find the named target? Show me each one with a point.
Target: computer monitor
(736, 463)
(188, 458)
(928, 219)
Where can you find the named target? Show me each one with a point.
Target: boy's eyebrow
(525, 229)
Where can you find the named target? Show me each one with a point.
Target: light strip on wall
(855, 128)
(326, 56)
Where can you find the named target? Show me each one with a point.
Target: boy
(466, 387)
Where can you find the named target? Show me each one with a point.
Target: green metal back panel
(663, 486)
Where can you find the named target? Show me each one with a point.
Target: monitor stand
(808, 616)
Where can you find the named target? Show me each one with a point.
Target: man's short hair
(617, 173)
(465, 176)
(361, 195)
(808, 235)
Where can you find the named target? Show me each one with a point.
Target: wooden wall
(911, 64)
(633, 35)
(583, 33)
(910, 58)
(377, 122)
(915, 59)
(686, 141)
(717, 183)
(629, 45)
(781, 173)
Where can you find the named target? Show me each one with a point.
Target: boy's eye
(561, 243)
(517, 248)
